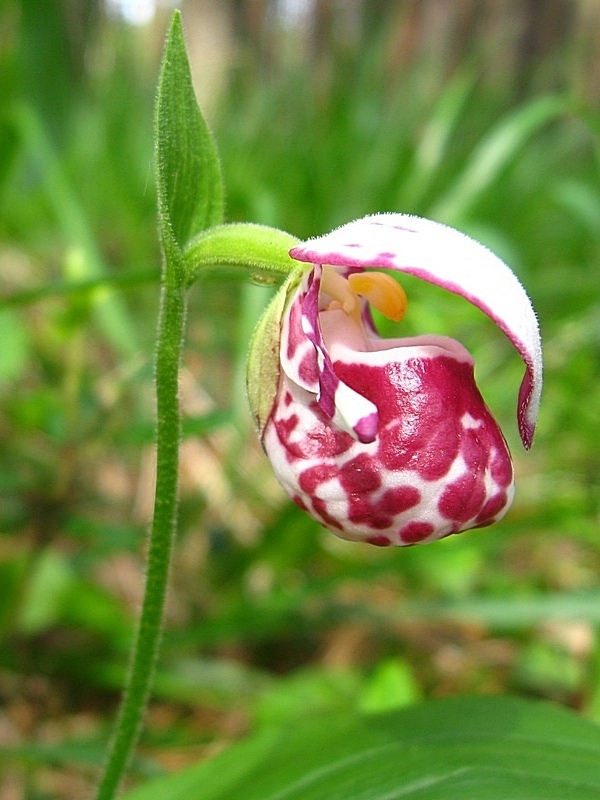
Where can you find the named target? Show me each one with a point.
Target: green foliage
(190, 188)
(488, 748)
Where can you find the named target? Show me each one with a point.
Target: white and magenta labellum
(389, 441)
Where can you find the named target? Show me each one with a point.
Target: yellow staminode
(382, 292)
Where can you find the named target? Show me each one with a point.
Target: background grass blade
(494, 153)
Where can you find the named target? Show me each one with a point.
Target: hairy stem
(169, 342)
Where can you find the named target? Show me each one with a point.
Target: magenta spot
(287, 398)
(473, 449)
(284, 429)
(360, 475)
(320, 509)
(379, 521)
(402, 228)
(296, 335)
(492, 508)
(362, 512)
(299, 502)
(318, 440)
(379, 513)
(420, 402)
(324, 441)
(308, 370)
(312, 477)
(379, 540)
(415, 532)
(437, 452)
(399, 499)
(502, 469)
(463, 498)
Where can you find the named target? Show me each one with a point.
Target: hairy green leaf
(190, 186)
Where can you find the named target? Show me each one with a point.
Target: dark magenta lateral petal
(306, 361)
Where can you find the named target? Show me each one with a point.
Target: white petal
(444, 256)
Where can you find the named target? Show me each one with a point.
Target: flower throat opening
(378, 288)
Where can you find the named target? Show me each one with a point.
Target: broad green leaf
(190, 186)
(485, 748)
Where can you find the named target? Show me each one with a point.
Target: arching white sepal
(442, 255)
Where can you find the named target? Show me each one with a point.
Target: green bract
(188, 172)
(264, 358)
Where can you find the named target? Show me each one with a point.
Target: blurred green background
(483, 115)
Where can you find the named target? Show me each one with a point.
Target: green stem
(169, 342)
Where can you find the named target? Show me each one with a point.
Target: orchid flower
(388, 441)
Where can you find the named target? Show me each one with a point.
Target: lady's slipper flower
(388, 441)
